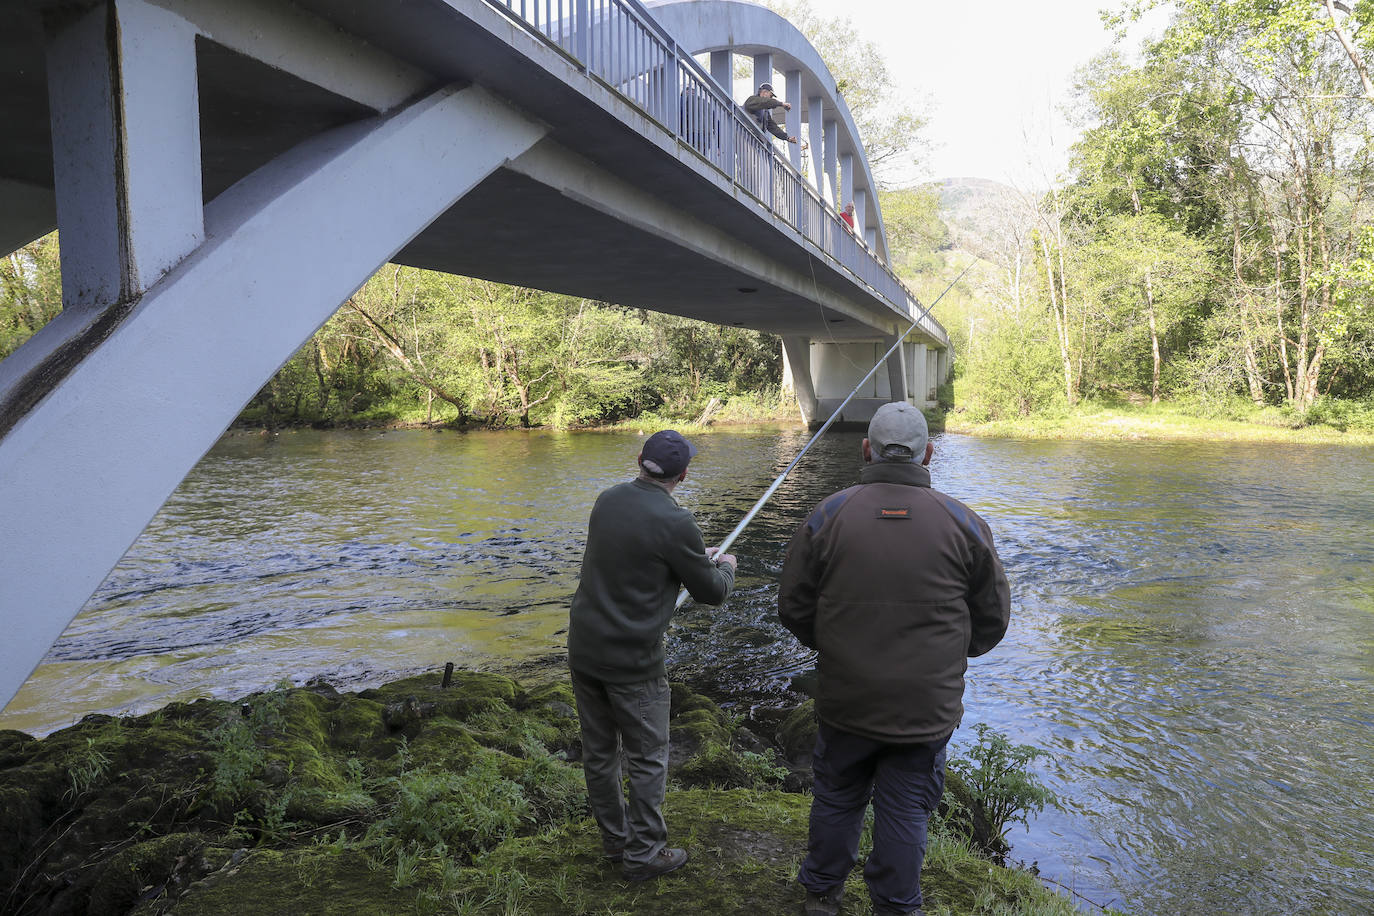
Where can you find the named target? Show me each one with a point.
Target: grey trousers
(633, 717)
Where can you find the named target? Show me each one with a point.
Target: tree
(1146, 277)
(916, 235)
(1290, 174)
(30, 292)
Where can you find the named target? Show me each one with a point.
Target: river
(1192, 640)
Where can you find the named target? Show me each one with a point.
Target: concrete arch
(701, 26)
(193, 348)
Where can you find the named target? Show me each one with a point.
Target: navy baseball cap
(666, 453)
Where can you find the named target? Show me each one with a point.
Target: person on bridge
(641, 547)
(895, 585)
(760, 107)
(847, 214)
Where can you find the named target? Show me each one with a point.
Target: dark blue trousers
(904, 782)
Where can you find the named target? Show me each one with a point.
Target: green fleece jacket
(641, 548)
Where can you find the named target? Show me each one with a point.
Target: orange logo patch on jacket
(895, 512)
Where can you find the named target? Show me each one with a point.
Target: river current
(1192, 641)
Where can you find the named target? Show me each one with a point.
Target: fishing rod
(773, 487)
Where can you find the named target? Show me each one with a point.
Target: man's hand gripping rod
(773, 487)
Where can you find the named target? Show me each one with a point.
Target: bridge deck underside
(514, 229)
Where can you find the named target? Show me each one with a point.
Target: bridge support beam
(897, 388)
(861, 214)
(847, 181)
(102, 427)
(832, 370)
(794, 121)
(920, 372)
(723, 71)
(832, 163)
(763, 71)
(815, 135)
(126, 150)
(796, 375)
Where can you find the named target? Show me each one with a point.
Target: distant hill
(980, 212)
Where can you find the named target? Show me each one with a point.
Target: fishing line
(773, 487)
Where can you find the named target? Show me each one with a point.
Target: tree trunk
(1351, 51)
(398, 353)
(1149, 306)
(1060, 323)
(1154, 337)
(1252, 372)
(317, 359)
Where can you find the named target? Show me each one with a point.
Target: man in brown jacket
(895, 585)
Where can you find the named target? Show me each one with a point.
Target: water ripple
(1192, 640)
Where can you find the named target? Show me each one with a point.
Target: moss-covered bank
(1172, 423)
(415, 798)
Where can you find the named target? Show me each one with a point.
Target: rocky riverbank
(416, 797)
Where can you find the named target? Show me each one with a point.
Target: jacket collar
(902, 472)
(653, 487)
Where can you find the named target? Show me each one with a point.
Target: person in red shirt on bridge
(847, 214)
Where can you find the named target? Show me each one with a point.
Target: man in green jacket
(895, 585)
(760, 107)
(641, 547)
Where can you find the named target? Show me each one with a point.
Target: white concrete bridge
(224, 175)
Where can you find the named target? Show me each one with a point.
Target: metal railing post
(582, 32)
(632, 52)
(671, 115)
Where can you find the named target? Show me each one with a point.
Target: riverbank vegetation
(416, 797)
(1210, 245)
(1205, 262)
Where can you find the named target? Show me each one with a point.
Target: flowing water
(1192, 640)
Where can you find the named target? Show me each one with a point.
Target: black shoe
(827, 904)
(667, 860)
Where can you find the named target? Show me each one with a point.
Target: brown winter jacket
(896, 585)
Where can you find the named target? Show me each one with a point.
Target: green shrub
(1340, 414)
(717, 766)
(996, 772)
(462, 812)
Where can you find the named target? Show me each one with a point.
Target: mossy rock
(466, 686)
(743, 851)
(557, 697)
(745, 848)
(797, 735)
(443, 743)
(127, 800)
(157, 868)
(694, 722)
(715, 766)
(323, 808)
(355, 725)
(324, 880)
(15, 747)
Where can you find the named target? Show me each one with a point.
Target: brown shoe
(667, 860)
(827, 904)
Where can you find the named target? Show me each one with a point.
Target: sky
(994, 73)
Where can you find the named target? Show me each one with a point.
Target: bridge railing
(621, 44)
